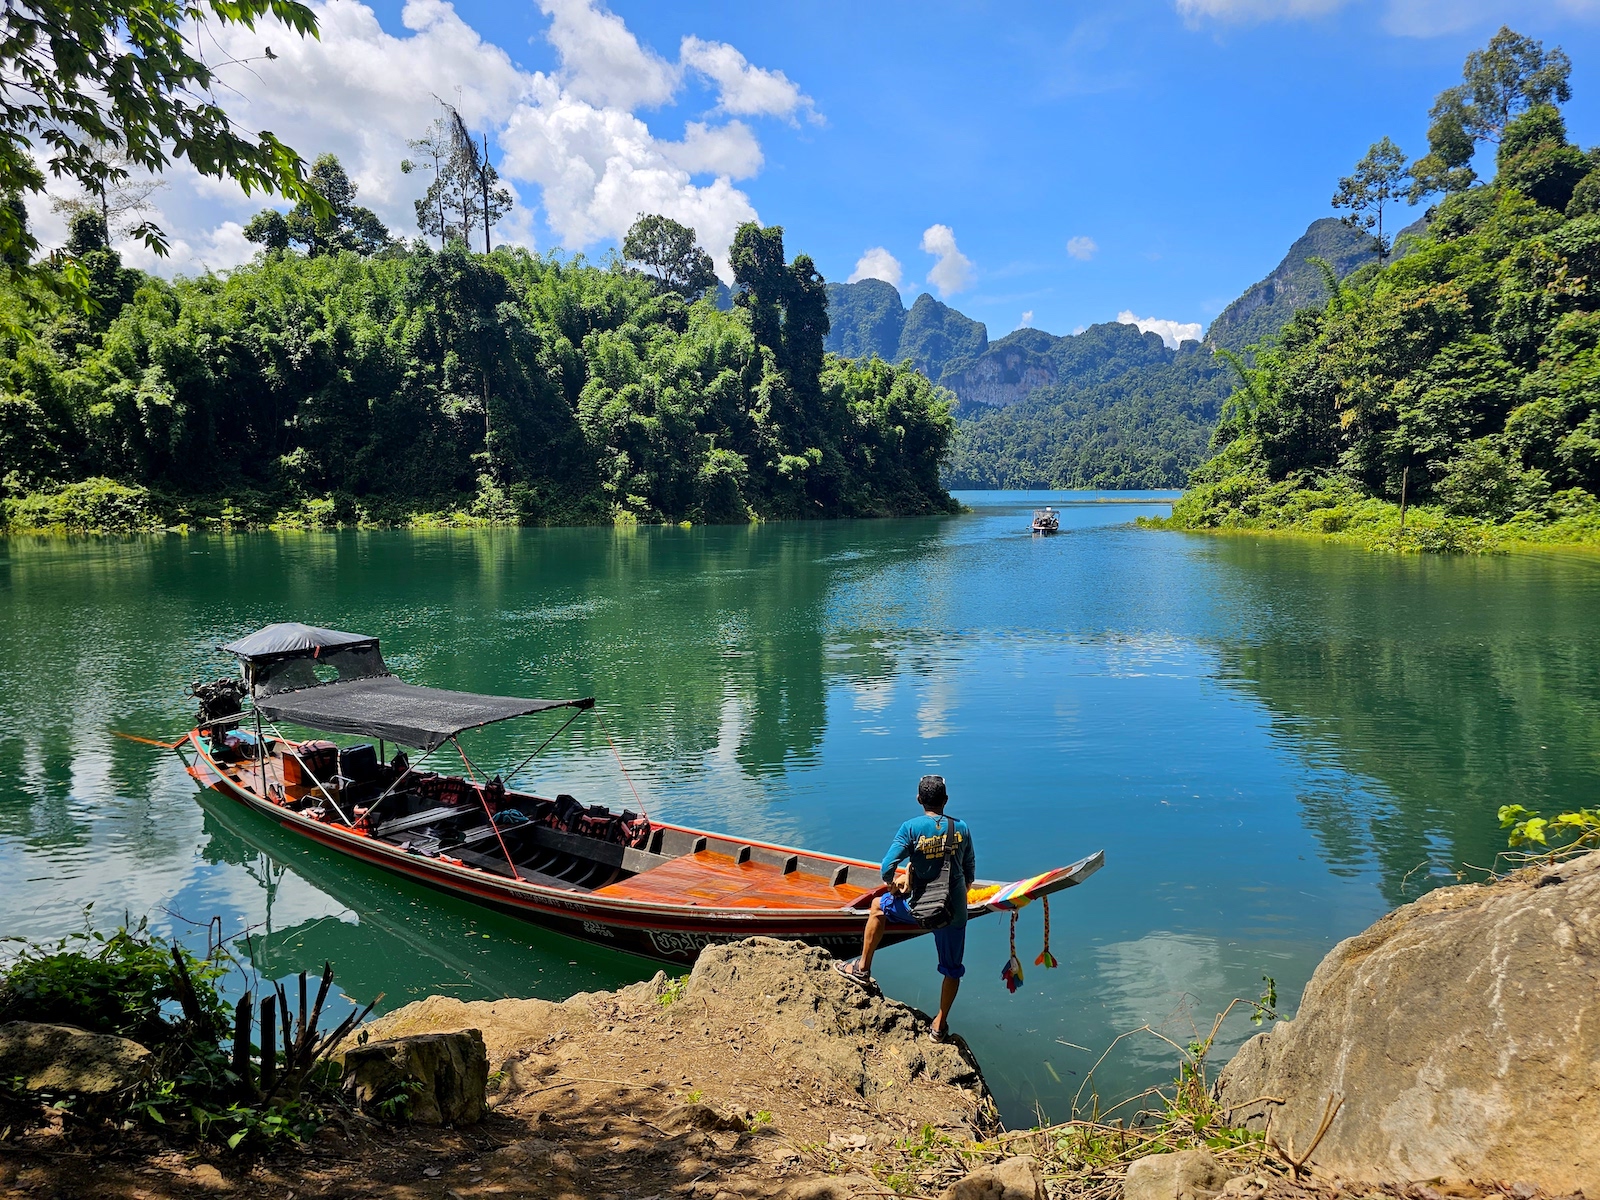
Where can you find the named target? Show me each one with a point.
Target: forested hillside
(1125, 412)
(868, 318)
(1296, 283)
(1109, 407)
(1461, 377)
(380, 385)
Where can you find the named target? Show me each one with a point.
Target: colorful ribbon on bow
(1012, 971)
(1045, 959)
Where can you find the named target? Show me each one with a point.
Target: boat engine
(221, 705)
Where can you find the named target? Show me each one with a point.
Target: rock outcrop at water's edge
(1461, 1033)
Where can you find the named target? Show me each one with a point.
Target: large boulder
(441, 1076)
(1016, 1178)
(65, 1059)
(825, 1025)
(1186, 1175)
(1461, 1033)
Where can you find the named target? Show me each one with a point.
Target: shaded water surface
(1273, 741)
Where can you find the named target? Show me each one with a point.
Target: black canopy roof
(291, 639)
(384, 707)
(365, 700)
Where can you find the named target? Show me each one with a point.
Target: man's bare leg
(947, 997)
(873, 934)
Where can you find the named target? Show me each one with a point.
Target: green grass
(1332, 509)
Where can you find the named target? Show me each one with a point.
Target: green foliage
(454, 388)
(339, 223)
(125, 983)
(1464, 374)
(98, 86)
(668, 252)
(673, 991)
(1510, 75)
(1574, 831)
(1380, 178)
(131, 984)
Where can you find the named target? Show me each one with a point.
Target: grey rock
(446, 1074)
(1013, 1179)
(1462, 1033)
(63, 1058)
(824, 1024)
(1186, 1175)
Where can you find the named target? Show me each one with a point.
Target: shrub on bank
(1332, 506)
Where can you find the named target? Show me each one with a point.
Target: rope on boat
(607, 734)
(484, 800)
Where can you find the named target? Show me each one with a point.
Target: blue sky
(1189, 141)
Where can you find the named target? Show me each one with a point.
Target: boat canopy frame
(365, 699)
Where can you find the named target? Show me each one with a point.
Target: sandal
(852, 971)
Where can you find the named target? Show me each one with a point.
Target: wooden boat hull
(672, 932)
(667, 933)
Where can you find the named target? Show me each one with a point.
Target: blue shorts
(951, 940)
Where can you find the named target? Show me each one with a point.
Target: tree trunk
(484, 176)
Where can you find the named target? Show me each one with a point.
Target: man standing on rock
(941, 856)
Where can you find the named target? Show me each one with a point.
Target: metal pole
(321, 787)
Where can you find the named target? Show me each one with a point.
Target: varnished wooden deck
(710, 880)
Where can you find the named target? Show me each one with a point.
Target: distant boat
(617, 879)
(1046, 521)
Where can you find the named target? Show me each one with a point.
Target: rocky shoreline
(1450, 1052)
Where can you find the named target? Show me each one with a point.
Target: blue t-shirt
(921, 840)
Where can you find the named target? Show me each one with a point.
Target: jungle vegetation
(344, 376)
(1460, 379)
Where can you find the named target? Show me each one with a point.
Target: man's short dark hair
(931, 793)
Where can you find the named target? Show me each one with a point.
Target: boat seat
(401, 824)
(497, 864)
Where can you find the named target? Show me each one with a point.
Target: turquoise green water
(1274, 742)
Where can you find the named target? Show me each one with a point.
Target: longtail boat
(617, 879)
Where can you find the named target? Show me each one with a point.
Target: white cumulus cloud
(745, 90)
(569, 140)
(1082, 248)
(602, 63)
(1027, 320)
(877, 263)
(1173, 333)
(953, 271)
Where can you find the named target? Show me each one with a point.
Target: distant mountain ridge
(1296, 283)
(1107, 407)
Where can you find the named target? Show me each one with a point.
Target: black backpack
(934, 907)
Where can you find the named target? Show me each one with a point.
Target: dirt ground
(766, 1071)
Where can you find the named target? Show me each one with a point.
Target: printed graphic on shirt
(933, 847)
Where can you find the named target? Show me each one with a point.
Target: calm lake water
(1274, 742)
